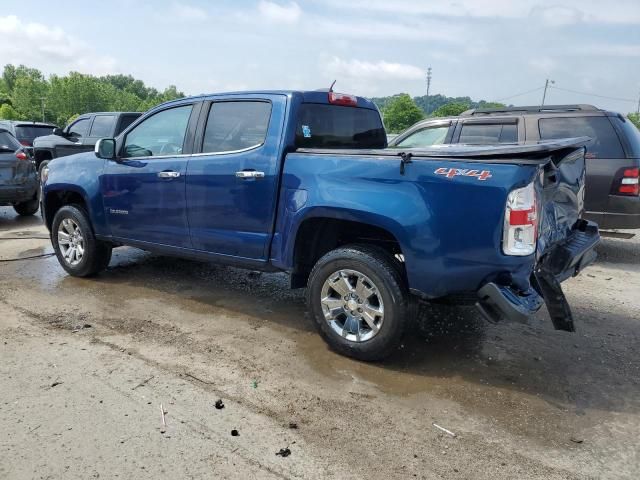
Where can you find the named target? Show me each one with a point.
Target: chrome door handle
(168, 174)
(249, 174)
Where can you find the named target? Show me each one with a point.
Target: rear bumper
(500, 302)
(18, 193)
(614, 220)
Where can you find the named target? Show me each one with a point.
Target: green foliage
(451, 109)
(7, 112)
(65, 97)
(635, 119)
(400, 113)
(434, 102)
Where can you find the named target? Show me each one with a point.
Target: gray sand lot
(86, 363)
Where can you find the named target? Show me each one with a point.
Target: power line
(594, 94)
(518, 94)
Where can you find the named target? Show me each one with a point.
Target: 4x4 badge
(454, 172)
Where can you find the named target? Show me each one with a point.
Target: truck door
(144, 191)
(232, 182)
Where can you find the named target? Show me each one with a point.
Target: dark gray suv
(18, 177)
(613, 158)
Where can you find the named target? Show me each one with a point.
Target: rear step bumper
(499, 302)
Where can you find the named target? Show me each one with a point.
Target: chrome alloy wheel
(70, 241)
(352, 305)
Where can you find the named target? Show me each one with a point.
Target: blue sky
(489, 49)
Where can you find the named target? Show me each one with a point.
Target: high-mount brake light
(629, 183)
(22, 156)
(520, 222)
(343, 99)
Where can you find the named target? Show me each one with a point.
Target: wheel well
(58, 199)
(317, 236)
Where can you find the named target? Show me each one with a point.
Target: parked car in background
(302, 182)
(27, 132)
(613, 157)
(81, 135)
(18, 178)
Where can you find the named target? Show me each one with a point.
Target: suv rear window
(29, 132)
(631, 136)
(335, 126)
(8, 141)
(605, 142)
(479, 134)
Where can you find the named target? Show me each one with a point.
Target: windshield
(334, 126)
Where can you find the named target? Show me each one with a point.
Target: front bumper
(567, 259)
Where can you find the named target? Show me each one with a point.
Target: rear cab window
(335, 126)
(125, 121)
(605, 142)
(236, 125)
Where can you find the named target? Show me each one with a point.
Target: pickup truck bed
(363, 227)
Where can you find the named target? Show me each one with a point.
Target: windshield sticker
(306, 131)
(454, 172)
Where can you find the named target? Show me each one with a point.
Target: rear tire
(30, 207)
(76, 247)
(367, 326)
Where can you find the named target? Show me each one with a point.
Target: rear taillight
(520, 222)
(21, 156)
(343, 99)
(627, 183)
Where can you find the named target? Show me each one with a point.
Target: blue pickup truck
(302, 182)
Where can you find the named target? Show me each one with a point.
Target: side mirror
(58, 131)
(106, 148)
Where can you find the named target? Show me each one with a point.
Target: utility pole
(428, 88)
(546, 86)
(42, 99)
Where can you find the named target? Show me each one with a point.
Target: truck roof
(310, 96)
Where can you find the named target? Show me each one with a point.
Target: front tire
(359, 301)
(76, 247)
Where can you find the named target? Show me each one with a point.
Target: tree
(635, 119)
(7, 112)
(400, 113)
(451, 109)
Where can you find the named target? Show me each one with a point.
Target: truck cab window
(159, 135)
(79, 128)
(233, 126)
(102, 126)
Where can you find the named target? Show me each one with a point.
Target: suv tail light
(21, 156)
(520, 222)
(343, 99)
(627, 182)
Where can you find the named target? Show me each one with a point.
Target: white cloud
(277, 13)
(594, 11)
(380, 70)
(48, 48)
(188, 12)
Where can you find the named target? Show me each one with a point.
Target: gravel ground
(86, 364)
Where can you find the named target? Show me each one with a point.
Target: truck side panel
(449, 228)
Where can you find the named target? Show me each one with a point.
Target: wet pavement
(525, 401)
